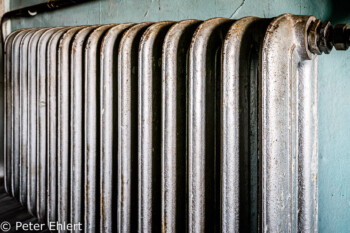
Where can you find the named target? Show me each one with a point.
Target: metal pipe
(33, 10)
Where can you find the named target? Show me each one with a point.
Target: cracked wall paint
(239, 7)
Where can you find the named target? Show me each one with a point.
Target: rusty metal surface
(127, 163)
(108, 122)
(32, 119)
(15, 108)
(149, 134)
(165, 127)
(283, 129)
(24, 116)
(42, 123)
(308, 156)
(174, 87)
(91, 112)
(63, 80)
(203, 125)
(322, 37)
(76, 119)
(8, 111)
(52, 70)
(239, 125)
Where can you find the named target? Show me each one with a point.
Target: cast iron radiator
(190, 126)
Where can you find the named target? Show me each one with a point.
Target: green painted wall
(334, 140)
(334, 78)
(112, 11)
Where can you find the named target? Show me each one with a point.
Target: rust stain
(103, 44)
(122, 189)
(102, 207)
(163, 225)
(86, 190)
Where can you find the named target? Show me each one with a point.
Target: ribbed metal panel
(183, 126)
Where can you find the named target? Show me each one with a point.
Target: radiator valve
(322, 37)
